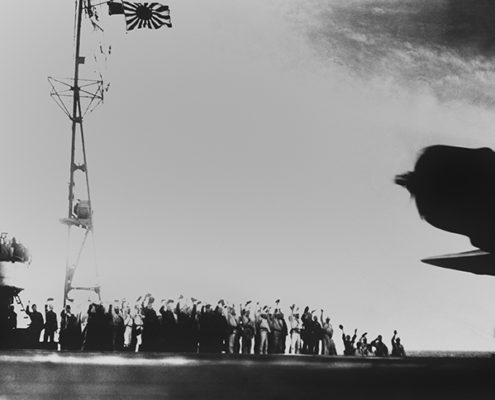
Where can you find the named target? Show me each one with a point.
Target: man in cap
(263, 329)
(381, 350)
(349, 348)
(51, 325)
(248, 329)
(397, 347)
(277, 323)
(295, 325)
(328, 345)
(232, 329)
(36, 326)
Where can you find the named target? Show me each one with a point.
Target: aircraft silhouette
(454, 190)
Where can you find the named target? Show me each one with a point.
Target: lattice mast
(80, 212)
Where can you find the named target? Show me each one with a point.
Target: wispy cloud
(447, 45)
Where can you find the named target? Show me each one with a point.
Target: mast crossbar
(90, 92)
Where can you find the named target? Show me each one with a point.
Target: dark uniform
(51, 327)
(36, 326)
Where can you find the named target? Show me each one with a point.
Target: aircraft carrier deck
(50, 375)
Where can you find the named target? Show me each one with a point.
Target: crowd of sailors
(12, 250)
(191, 326)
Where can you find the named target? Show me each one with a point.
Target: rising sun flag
(142, 15)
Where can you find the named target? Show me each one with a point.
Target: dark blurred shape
(477, 262)
(454, 189)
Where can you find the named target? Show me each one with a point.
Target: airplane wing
(476, 261)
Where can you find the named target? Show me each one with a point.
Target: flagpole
(76, 119)
(75, 105)
(79, 213)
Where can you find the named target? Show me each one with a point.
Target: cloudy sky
(249, 153)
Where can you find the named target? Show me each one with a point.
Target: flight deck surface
(74, 376)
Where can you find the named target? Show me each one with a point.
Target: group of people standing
(188, 325)
(375, 348)
(47, 324)
(12, 250)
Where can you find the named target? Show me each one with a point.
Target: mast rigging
(80, 212)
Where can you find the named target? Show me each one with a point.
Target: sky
(249, 152)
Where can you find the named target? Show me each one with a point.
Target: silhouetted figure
(128, 327)
(18, 252)
(11, 318)
(349, 348)
(306, 319)
(257, 333)
(278, 331)
(314, 336)
(5, 248)
(36, 326)
(213, 328)
(248, 330)
(193, 342)
(264, 329)
(295, 324)
(118, 329)
(233, 330)
(70, 336)
(137, 329)
(397, 347)
(285, 333)
(328, 345)
(187, 332)
(51, 326)
(363, 348)
(151, 327)
(206, 332)
(219, 329)
(381, 350)
(8, 336)
(96, 333)
(168, 327)
(454, 189)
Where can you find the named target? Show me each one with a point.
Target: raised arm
(354, 336)
(257, 312)
(291, 314)
(341, 327)
(393, 338)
